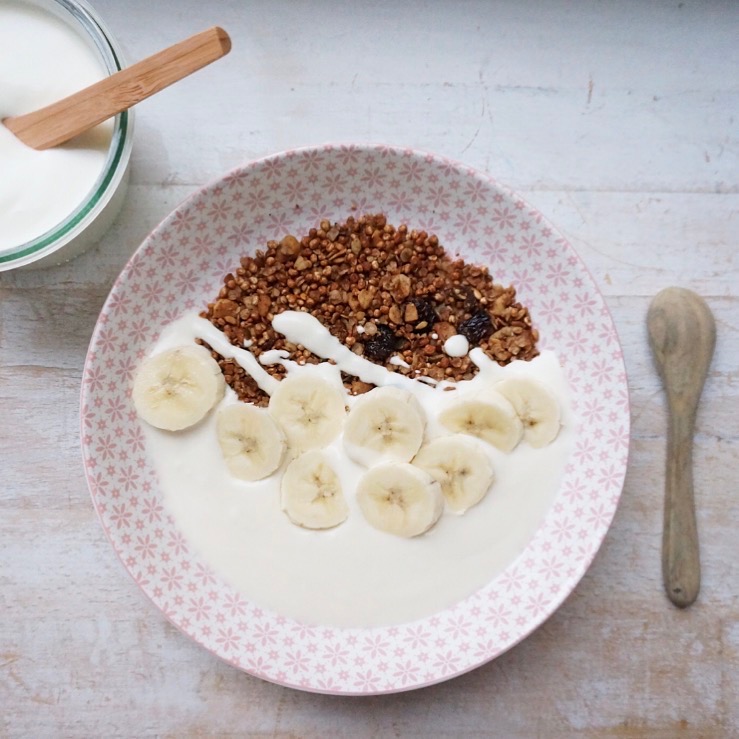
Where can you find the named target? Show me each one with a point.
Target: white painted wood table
(619, 121)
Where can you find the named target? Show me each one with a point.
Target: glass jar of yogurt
(56, 203)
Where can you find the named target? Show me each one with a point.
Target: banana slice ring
(176, 388)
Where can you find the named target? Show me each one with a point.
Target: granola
(391, 294)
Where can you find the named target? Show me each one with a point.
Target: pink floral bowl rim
(180, 266)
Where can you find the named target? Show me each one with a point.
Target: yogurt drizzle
(303, 328)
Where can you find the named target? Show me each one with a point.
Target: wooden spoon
(71, 116)
(682, 334)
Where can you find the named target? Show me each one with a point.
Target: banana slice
(251, 442)
(493, 420)
(399, 498)
(386, 424)
(176, 388)
(310, 411)
(536, 406)
(311, 493)
(460, 466)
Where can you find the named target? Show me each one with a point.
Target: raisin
(471, 304)
(465, 295)
(382, 345)
(426, 316)
(476, 328)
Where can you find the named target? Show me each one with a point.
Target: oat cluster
(383, 291)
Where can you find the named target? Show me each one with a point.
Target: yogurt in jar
(43, 59)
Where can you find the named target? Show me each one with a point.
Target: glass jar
(87, 223)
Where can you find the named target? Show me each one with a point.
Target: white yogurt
(398, 361)
(353, 575)
(456, 346)
(43, 60)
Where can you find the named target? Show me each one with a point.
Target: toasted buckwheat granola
(382, 291)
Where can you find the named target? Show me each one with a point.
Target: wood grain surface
(619, 122)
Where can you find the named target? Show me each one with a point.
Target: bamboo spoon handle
(680, 551)
(71, 116)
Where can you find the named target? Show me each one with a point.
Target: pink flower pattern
(474, 217)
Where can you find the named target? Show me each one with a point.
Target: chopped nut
(224, 307)
(444, 330)
(365, 298)
(400, 287)
(301, 263)
(358, 387)
(263, 304)
(395, 314)
(499, 305)
(289, 246)
(411, 313)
